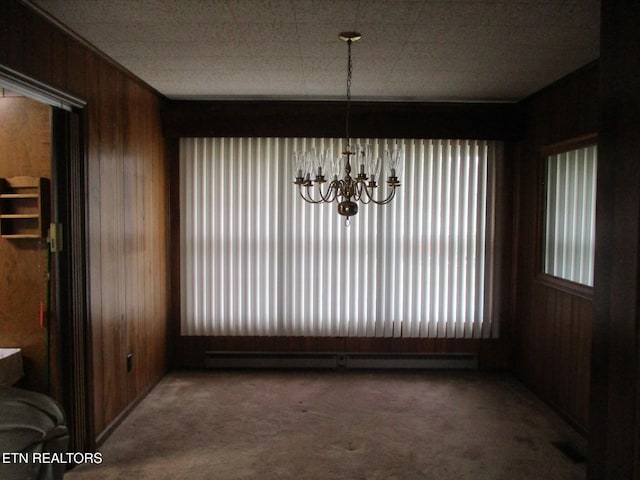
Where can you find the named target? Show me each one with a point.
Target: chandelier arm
(306, 195)
(383, 201)
(327, 197)
(367, 198)
(331, 193)
(359, 187)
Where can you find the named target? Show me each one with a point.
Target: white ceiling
(411, 50)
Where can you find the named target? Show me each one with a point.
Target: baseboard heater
(452, 361)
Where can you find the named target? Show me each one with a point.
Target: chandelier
(310, 167)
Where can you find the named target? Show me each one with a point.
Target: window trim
(558, 283)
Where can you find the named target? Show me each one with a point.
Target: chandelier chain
(349, 74)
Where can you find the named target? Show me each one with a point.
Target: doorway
(61, 253)
(25, 203)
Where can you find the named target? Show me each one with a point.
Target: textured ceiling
(411, 50)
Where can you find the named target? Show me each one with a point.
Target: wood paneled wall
(127, 206)
(551, 328)
(25, 149)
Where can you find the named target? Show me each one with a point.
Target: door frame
(68, 192)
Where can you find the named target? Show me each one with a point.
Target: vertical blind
(570, 215)
(258, 260)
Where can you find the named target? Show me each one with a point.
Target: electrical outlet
(129, 362)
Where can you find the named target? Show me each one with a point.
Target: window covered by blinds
(258, 260)
(569, 244)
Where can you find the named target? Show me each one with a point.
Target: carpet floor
(337, 425)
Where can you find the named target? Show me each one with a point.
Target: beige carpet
(337, 425)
